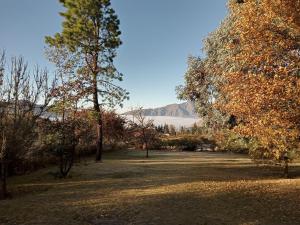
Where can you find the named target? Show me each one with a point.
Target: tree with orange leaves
(263, 90)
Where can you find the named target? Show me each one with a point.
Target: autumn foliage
(263, 92)
(248, 84)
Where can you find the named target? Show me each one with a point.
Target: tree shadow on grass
(229, 207)
(244, 205)
(161, 173)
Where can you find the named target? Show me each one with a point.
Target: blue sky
(157, 35)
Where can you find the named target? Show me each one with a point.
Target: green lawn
(168, 188)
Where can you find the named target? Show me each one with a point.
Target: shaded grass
(169, 188)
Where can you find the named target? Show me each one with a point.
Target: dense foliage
(264, 91)
(250, 78)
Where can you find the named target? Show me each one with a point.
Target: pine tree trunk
(99, 139)
(97, 109)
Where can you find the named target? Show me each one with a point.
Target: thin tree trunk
(147, 149)
(147, 156)
(145, 145)
(99, 139)
(62, 165)
(3, 188)
(67, 165)
(286, 169)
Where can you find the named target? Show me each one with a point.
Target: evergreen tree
(166, 129)
(91, 35)
(195, 128)
(172, 130)
(182, 130)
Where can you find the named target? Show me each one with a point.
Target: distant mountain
(184, 110)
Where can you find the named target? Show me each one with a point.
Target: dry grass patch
(169, 188)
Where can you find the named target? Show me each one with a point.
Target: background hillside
(174, 114)
(184, 110)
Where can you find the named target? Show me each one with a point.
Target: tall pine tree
(90, 33)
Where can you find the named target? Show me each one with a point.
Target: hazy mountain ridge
(183, 110)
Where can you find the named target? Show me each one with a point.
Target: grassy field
(168, 188)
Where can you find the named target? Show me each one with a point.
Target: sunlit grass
(169, 188)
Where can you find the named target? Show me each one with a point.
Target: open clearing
(168, 188)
